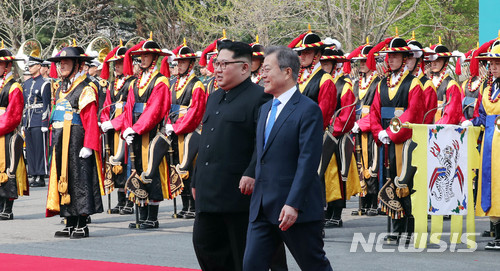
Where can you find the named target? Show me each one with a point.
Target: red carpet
(39, 263)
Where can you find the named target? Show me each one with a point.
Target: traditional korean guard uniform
(13, 177)
(116, 99)
(184, 123)
(75, 181)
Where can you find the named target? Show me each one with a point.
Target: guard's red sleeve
(345, 119)
(124, 121)
(430, 100)
(327, 101)
(106, 107)
(413, 114)
(13, 113)
(157, 107)
(188, 123)
(453, 111)
(92, 139)
(364, 123)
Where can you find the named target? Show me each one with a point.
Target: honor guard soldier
(364, 89)
(398, 95)
(116, 98)
(313, 81)
(415, 65)
(13, 177)
(45, 69)
(336, 175)
(37, 96)
(488, 196)
(472, 87)
(257, 60)
(148, 102)
(75, 181)
(449, 93)
(208, 56)
(184, 121)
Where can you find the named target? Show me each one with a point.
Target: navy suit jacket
(287, 167)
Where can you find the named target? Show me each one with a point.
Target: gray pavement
(30, 233)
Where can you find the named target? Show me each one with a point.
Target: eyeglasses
(223, 64)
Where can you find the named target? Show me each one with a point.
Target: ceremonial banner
(447, 170)
(446, 159)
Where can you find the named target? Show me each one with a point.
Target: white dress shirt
(283, 98)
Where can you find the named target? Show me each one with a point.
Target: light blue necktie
(271, 120)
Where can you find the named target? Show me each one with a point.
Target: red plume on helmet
(297, 40)
(371, 62)
(165, 68)
(474, 62)
(127, 61)
(210, 48)
(176, 50)
(210, 65)
(53, 68)
(105, 65)
(347, 64)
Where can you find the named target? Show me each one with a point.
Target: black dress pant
(219, 240)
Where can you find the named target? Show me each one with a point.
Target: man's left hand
(246, 185)
(288, 216)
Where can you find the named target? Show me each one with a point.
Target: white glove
(22, 129)
(129, 139)
(466, 123)
(128, 131)
(44, 129)
(85, 152)
(106, 126)
(384, 137)
(355, 129)
(169, 129)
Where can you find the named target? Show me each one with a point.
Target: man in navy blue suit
(286, 204)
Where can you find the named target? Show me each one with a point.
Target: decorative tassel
(210, 48)
(127, 61)
(176, 50)
(105, 65)
(371, 62)
(165, 68)
(474, 62)
(296, 40)
(210, 65)
(53, 70)
(347, 65)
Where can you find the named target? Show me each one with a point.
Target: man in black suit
(225, 171)
(286, 204)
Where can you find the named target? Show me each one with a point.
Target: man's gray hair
(287, 58)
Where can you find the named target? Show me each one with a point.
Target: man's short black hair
(239, 49)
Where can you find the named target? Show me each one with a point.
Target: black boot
(121, 203)
(152, 221)
(143, 216)
(128, 209)
(7, 214)
(71, 222)
(336, 220)
(185, 205)
(38, 181)
(495, 244)
(81, 230)
(191, 213)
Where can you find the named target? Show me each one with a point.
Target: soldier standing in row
(116, 97)
(188, 106)
(37, 96)
(75, 186)
(148, 101)
(13, 178)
